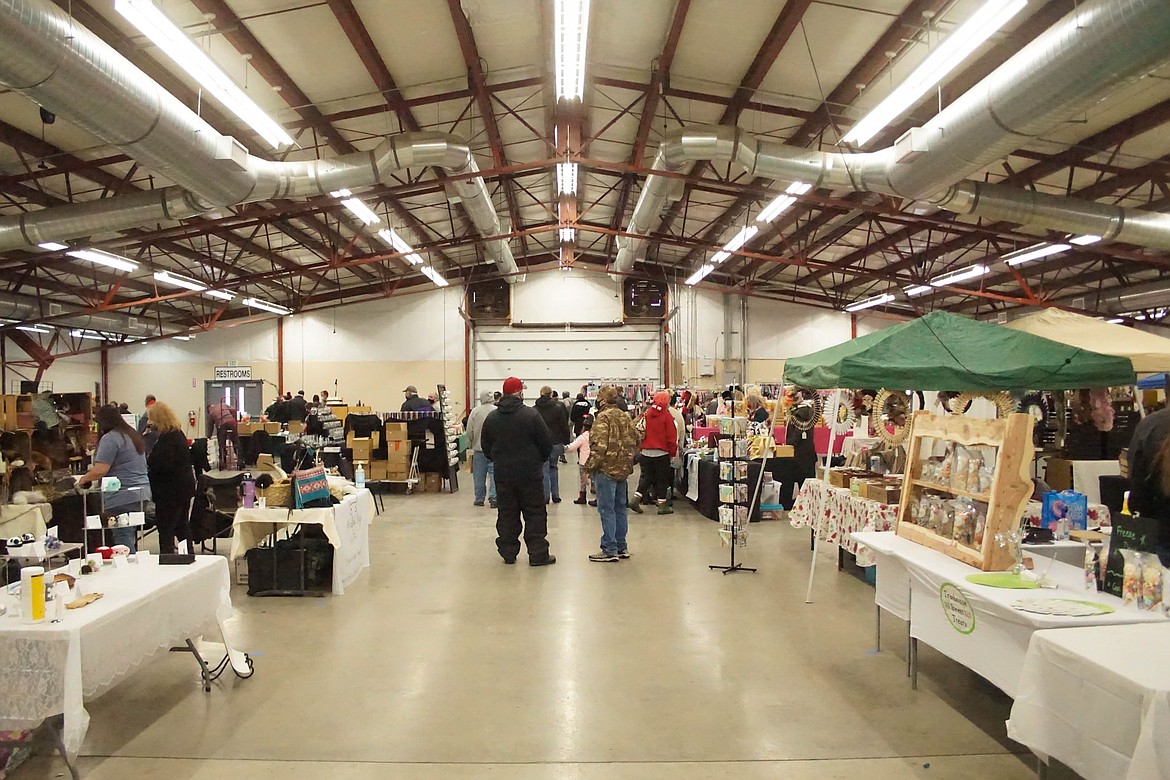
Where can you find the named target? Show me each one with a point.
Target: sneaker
(623, 554)
(635, 504)
(492, 504)
(509, 561)
(556, 499)
(593, 502)
(603, 557)
(477, 503)
(580, 499)
(665, 509)
(549, 561)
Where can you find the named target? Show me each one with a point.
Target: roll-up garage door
(566, 358)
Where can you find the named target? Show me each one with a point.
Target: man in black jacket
(515, 439)
(416, 430)
(556, 418)
(578, 412)
(298, 407)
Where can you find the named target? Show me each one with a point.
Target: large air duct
(68, 70)
(23, 308)
(1079, 61)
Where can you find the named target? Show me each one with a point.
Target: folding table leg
(877, 642)
(913, 663)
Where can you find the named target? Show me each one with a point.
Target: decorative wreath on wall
(892, 408)
(1002, 400)
(946, 400)
(805, 417)
(1036, 404)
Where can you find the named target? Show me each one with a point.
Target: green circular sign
(955, 606)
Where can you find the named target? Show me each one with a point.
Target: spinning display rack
(734, 495)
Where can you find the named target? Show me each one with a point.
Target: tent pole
(812, 567)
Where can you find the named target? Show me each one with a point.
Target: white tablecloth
(52, 668)
(836, 514)
(998, 641)
(1098, 700)
(346, 525)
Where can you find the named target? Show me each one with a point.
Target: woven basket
(278, 494)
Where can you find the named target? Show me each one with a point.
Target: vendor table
(1098, 700)
(834, 514)
(346, 525)
(977, 625)
(53, 668)
(705, 491)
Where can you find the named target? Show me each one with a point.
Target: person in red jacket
(659, 447)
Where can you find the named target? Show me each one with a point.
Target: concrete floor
(441, 662)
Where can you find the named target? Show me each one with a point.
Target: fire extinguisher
(191, 418)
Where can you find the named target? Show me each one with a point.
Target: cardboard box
(339, 411)
(395, 431)
(241, 567)
(1058, 473)
(296, 426)
(272, 427)
(1123, 462)
(884, 491)
(432, 483)
(398, 446)
(374, 438)
(400, 458)
(784, 451)
(397, 474)
(361, 449)
(377, 470)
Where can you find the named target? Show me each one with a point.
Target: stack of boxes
(396, 466)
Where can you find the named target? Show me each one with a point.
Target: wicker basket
(278, 494)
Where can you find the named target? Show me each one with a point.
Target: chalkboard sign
(1141, 533)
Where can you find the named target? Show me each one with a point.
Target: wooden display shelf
(953, 491)
(1011, 485)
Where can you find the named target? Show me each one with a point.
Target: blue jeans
(552, 478)
(127, 535)
(611, 503)
(481, 469)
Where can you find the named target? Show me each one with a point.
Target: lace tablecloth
(836, 513)
(52, 668)
(346, 525)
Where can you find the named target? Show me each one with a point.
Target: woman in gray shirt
(122, 454)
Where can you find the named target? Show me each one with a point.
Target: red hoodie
(660, 431)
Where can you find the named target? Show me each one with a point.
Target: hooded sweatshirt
(475, 421)
(661, 434)
(515, 440)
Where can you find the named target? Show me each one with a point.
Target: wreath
(894, 409)
(1002, 400)
(798, 414)
(1036, 404)
(946, 400)
(846, 413)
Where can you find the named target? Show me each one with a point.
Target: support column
(280, 355)
(105, 353)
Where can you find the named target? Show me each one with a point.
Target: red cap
(512, 385)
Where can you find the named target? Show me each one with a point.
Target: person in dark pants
(222, 417)
(556, 418)
(659, 446)
(172, 480)
(517, 442)
(580, 409)
(416, 430)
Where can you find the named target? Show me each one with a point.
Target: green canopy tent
(944, 351)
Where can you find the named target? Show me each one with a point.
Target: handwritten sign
(957, 608)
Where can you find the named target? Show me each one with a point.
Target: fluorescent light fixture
(701, 274)
(1034, 253)
(174, 43)
(869, 303)
(1115, 321)
(361, 211)
(957, 277)
(568, 235)
(99, 257)
(719, 257)
(741, 238)
(33, 329)
(918, 289)
(395, 240)
(570, 30)
(88, 334)
(798, 188)
(52, 246)
(566, 178)
(342, 193)
(434, 276)
(775, 208)
(181, 338)
(1084, 240)
(959, 45)
(275, 308)
(166, 277)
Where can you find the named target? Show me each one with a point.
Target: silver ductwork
(1079, 61)
(65, 68)
(23, 308)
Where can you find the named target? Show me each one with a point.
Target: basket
(277, 494)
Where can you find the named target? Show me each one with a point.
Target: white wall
(77, 374)
(558, 296)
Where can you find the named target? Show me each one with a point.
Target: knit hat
(512, 385)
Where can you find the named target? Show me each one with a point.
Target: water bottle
(249, 486)
(359, 476)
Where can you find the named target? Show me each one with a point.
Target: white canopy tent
(1149, 353)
